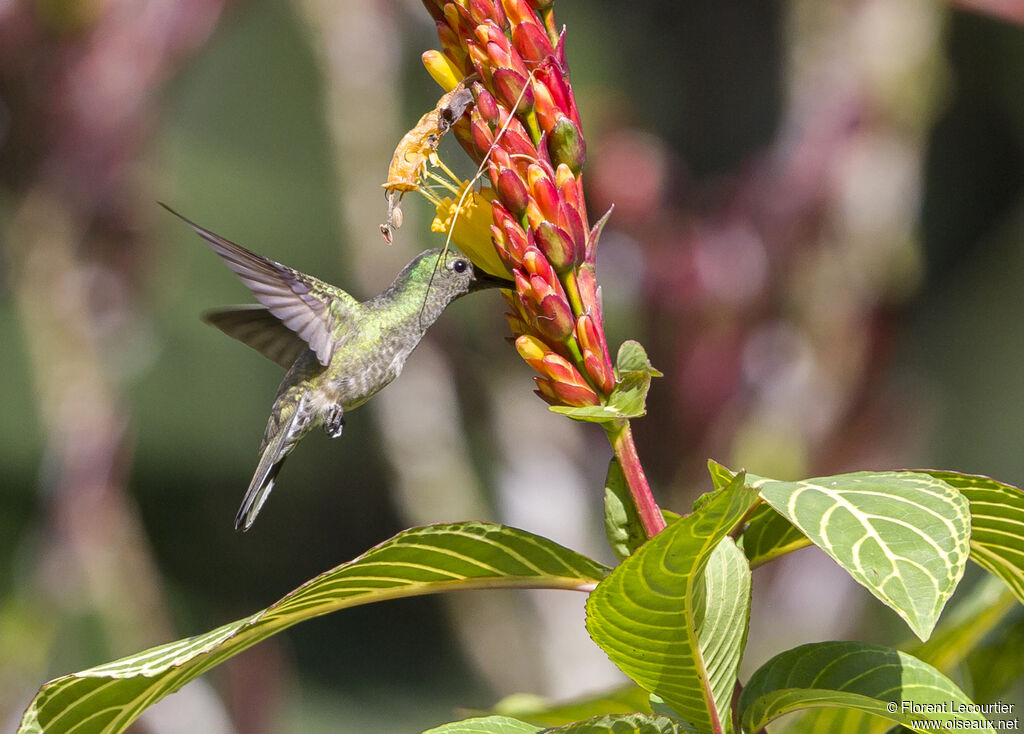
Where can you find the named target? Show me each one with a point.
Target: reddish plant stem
(620, 435)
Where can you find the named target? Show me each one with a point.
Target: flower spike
(524, 131)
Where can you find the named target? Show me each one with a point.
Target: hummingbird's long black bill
(482, 281)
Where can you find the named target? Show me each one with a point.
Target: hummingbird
(339, 352)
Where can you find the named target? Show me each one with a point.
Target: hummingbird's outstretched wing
(256, 327)
(306, 305)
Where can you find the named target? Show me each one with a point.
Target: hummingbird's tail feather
(256, 495)
(275, 451)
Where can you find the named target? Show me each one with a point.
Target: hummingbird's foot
(334, 421)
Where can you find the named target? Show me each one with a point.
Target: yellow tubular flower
(472, 233)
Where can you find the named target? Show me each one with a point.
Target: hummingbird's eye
(459, 266)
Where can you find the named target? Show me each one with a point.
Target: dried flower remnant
(417, 149)
(523, 130)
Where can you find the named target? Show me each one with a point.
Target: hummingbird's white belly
(361, 382)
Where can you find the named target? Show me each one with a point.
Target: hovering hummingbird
(338, 352)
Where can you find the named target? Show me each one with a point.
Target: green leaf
(591, 413)
(420, 561)
(663, 619)
(723, 632)
(623, 724)
(626, 723)
(903, 535)
(621, 521)
(997, 525)
(769, 535)
(968, 623)
(720, 475)
(957, 635)
(846, 720)
(634, 371)
(486, 725)
(870, 678)
(632, 357)
(629, 398)
(659, 707)
(537, 710)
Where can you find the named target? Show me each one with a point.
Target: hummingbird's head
(451, 274)
(435, 278)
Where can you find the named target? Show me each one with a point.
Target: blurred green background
(817, 235)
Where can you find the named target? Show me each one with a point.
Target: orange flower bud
(552, 79)
(553, 317)
(571, 223)
(458, 20)
(499, 238)
(559, 369)
(557, 246)
(501, 157)
(540, 288)
(519, 11)
(486, 104)
(599, 372)
(595, 355)
(499, 15)
(578, 396)
(509, 85)
(478, 57)
(532, 350)
(586, 334)
(516, 140)
(543, 192)
(572, 391)
(517, 241)
(546, 392)
(523, 287)
(564, 177)
(501, 214)
(531, 42)
(512, 191)
(500, 55)
(544, 300)
(481, 10)
(483, 138)
(544, 104)
(536, 264)
(452, 45)
(533, 214)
